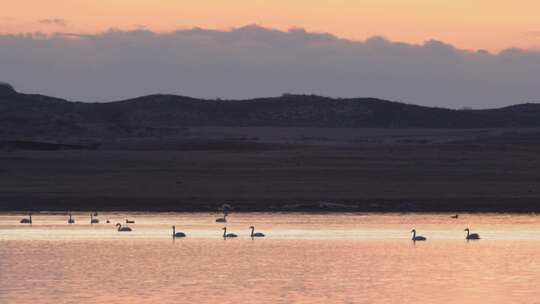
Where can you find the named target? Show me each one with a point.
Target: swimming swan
(417, 238)
(177, 234)
(27, 220)
(222, 219)
(71, 220)
(258, 234)
(225, 208)
(122, 229)
(228, 235)
(471, 236)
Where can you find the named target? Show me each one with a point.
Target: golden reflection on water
(305, 259)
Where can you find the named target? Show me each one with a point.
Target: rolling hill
(29, 115)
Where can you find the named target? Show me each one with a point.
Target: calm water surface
(339, 258)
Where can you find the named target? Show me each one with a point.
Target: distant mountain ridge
(38, 115)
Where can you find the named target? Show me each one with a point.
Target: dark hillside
(31, 115)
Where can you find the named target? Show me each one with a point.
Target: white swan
(177, 234)
(71, 220)
(471, 236)
(257, 234)
(122, 229)
(228, 235)
(417, 238)
(93, 220)
(27, 220)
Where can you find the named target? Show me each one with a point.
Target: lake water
(336, 258)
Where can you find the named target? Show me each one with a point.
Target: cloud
(254, 61)
(140, 26)
(54, 21)
(68, 35)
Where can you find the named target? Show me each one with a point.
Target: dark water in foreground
(338, 258)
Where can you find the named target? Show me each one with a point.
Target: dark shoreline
(454, 205)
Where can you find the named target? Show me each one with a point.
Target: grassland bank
(405, 177)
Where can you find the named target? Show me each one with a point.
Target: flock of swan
(175, 234)
(223, 219)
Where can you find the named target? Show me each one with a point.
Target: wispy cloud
(69, 35)
(254, 61)
(54, 21)
(140, 26)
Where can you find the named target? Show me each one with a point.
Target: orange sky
(471, 24)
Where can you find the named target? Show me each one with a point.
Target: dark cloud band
(254, 61)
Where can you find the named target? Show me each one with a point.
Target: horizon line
(219, 99)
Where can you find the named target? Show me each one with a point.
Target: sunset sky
(469, 24)
(472, 53)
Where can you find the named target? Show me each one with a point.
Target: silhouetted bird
(27, 220)
(177, 234)
(228, 235)
(255, 234)
(417, 238)
(471, 236)
(122, 229)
